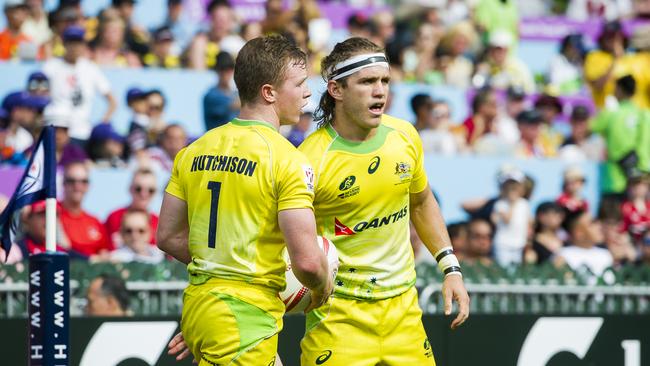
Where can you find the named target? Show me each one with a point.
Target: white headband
(356, 63)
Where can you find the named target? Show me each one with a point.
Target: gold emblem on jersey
(403, 170)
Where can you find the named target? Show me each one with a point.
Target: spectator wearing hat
(636, 209)
(572, 197)
(500, 68)
(161, 54)
(581, 144)
(106, 147)
(38, 84)
(483, 207)
(220, 36)
(12, 39)
(36, 25)
(142, 191)
(626, 130)
(530, 129)
(137, 138)
(511, 218)
(22, 115)
(74, 81)
(82, 232)
(221, 103)
(109, 46)
(33, 227)
(565, 72)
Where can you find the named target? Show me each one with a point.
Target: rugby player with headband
(369, 183)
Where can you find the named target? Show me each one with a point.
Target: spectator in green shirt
(494, 15)
(625, 128)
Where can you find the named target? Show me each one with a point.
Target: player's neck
(353, 132)
(256, 113)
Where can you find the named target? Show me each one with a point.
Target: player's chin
(373, 120)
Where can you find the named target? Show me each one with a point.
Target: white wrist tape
(447, 261)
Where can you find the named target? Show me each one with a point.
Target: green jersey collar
(250, 122)
(359, 147)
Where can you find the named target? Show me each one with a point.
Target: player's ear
(268, 93)
(334, 89)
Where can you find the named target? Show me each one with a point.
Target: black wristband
(452, 269)
(445, 253)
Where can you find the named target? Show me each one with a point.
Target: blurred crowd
(506, 230)
(591, 104)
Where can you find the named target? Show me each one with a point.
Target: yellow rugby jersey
(235, 179)
(362, 205)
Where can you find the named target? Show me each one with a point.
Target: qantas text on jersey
(341, 229)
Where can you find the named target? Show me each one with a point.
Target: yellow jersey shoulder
(400, 125)
(315, 145)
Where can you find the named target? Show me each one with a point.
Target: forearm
(173, 229)
(112, 106)
(177, 247)
(429, 224)
(308, 262)
(314, 277)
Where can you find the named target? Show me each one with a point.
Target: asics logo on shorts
(323, 357)
(428, 352)
(210, 362)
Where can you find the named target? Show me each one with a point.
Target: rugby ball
(296, 296)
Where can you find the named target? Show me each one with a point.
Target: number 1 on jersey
(215, 187)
